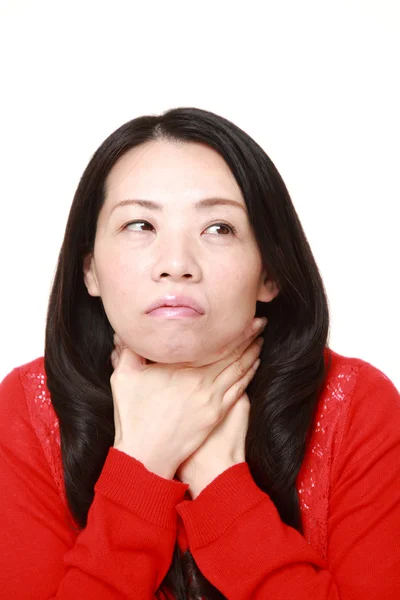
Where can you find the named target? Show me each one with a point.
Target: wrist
(147, 460)
(203, 481)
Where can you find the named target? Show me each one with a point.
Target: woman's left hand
(224, 447)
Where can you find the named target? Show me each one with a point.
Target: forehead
(161, 170)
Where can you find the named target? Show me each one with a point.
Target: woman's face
(177, 248)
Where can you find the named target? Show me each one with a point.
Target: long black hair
(283, 393)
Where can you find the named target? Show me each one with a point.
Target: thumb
(125, 358)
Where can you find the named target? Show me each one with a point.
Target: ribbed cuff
(129, 483)
(214, 510)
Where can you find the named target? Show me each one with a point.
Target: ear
(268, 288)
(89, 275)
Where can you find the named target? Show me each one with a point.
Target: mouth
(174, 312)
(175, 305)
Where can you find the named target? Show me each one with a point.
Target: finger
(239, 350)
(237, 390)
(118, 342)
(114, 359)
(236, 371)
(234, 350)
(128, 360)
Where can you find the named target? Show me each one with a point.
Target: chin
(176, 349)
(175, 358)
(169, 360)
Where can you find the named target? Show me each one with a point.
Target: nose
(177, 260)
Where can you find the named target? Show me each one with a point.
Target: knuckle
(237, 353)
(215, 414)
(208, 401)
(240, 368)
(209, 418)
(211, 410)
(240, 387)
(118, 376)
(116, 372)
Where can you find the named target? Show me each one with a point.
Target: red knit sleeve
(124, 551)
(244, 549)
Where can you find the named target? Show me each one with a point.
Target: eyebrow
(200, 204)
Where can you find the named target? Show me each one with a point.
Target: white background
(315, 83)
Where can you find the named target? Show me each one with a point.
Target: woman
(149, 453)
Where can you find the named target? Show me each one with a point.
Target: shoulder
(28, 414)
(33, 367)
(362, 386)
(18, 376)
(32, 376)
(368, 408)
(14, 385)
(355, 432)
(24, 390)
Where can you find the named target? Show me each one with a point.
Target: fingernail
(259, 323)
(260, 341)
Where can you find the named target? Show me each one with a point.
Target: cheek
(117, 276)
(235, 285)
(118, 284)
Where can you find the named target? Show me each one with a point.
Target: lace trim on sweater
(43, 417)
(313, 483)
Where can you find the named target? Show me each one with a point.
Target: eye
(231, 228)
(135, 223)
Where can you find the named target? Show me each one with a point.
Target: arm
(124, 551)
(244, 549)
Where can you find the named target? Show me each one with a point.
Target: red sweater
(349, 490)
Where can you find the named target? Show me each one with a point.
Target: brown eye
(135, 223)
(224, 225)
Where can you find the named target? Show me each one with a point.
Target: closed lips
(177, 301)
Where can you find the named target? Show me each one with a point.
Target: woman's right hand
(162, 414)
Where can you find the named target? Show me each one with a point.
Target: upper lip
(176, 300)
